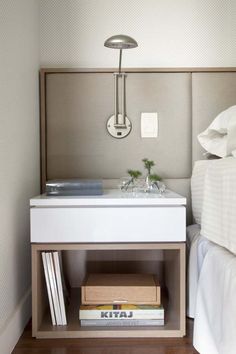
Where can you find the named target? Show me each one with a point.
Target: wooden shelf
(174, 272)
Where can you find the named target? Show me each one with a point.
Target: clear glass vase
(126, 184)
(131, 185)
(148, 184)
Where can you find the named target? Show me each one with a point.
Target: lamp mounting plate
(119, 131)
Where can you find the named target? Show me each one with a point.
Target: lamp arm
(120, 58)
(116, 98)
(123, 99)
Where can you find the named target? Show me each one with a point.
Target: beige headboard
(75, 105)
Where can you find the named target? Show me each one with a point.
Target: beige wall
(19, 160)
(170, 33)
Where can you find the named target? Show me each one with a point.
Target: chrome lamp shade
(120, 42)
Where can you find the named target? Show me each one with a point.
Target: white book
(107, 323)
(52, 279)
(59, 287)
(48, 288)
(64, 286)
(123, 312)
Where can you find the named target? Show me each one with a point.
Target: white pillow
(231, 142)
(220, 137)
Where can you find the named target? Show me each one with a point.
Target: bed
(211, 256)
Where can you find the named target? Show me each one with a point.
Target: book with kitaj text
(121, 312)
(89, 323)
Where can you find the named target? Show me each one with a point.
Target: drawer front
(99, 224)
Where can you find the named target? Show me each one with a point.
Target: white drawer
(108, 224)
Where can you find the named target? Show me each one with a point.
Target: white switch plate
(149, 125)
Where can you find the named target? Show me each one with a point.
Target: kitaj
(116, 314)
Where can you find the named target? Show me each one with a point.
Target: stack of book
(140, 304)
(72, 187)
(55, 287)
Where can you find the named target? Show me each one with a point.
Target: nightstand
(117, 223)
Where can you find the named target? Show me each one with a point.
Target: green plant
(134, 173)
(155, 178)
(148, 164)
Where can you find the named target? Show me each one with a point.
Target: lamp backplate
(118, 131)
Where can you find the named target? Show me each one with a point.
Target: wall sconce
(119, 125)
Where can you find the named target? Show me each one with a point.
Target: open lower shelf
(125, 257)
(74, 330)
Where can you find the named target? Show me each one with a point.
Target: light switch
(149, 125)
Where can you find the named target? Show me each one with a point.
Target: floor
(29, 345)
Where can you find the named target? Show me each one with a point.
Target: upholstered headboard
(75, 105)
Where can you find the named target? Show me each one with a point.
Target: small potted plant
(148, 164)
(130, 182)
(155, 178)
(152, 180)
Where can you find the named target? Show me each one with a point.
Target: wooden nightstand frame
(174, 275)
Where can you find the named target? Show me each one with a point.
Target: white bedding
(220, 137)
(212, 269)
(218, 218)
(197, 247)
(197, 187)
(215, 315)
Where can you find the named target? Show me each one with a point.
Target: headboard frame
(76, 103)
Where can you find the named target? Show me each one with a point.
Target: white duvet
(212, 269)
(197, 187)
(218, 217)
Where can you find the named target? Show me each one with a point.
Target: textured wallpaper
(170, 33)
(19, 150)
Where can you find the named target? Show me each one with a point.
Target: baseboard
(16, 324)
